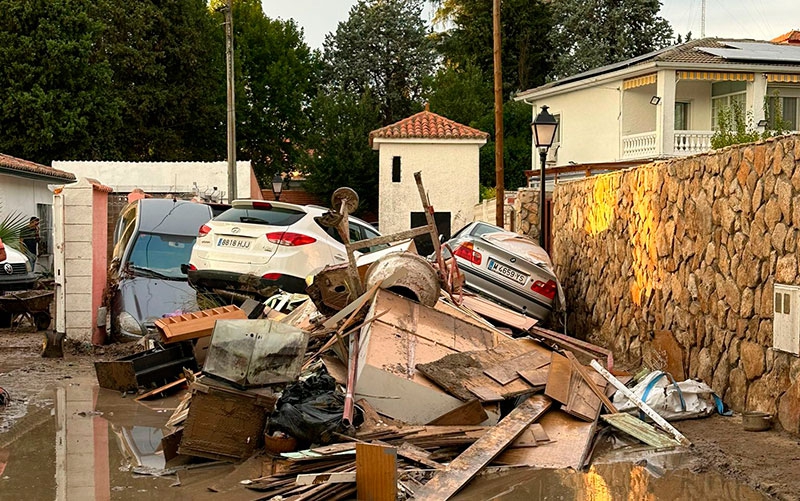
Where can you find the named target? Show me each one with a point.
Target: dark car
(153, 238)
(508, 268)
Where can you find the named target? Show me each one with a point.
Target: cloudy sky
(755, 19)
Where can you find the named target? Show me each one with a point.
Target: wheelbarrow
(31, 304)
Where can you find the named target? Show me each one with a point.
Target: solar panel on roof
(751, 51)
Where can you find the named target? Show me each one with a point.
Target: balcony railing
(689, 142)
(639, 145)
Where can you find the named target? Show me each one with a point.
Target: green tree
(276, 75)
(57, 99)
(382, 47)
(342, 155)
(592, 33)
(167, 62)
(525, 46)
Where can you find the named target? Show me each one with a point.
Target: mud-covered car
(16, 272)
(153, 239)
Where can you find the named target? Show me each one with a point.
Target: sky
(757, 19)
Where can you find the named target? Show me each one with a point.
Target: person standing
(30, 238)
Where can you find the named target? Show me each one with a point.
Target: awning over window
(783, 77)
(632, 83)
(716, 75)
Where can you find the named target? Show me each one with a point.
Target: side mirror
(185, 269)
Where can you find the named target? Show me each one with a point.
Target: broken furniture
(251, 353)
(225, 423)
(147, 369)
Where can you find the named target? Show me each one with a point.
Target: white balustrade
(639, 145)
(690, 142)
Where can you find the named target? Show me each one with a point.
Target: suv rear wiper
(256, 220)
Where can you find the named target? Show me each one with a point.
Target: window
(395, 169)
(557, 139)
(783, 109)
(727, 96)
(681, 116)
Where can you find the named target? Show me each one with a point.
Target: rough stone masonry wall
(692, 246)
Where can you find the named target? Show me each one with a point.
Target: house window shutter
(395, 169)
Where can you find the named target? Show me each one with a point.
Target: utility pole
(703, 20)
(498, 119)
(228, 9)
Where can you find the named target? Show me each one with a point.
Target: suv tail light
(290, 239)
(262, 205)
(547, 290)
(192, 267)
(271, 276)
(467, 251)
(204, 230)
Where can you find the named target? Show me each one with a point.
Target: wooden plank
(418, 455)
(325, 478)
(583, 403)
(376, 472)
(570, 442)
(462, 469)
(471, 412)
(539, 433)
(637, 428)
(485, 394)
(590, 379)
(508, 371)
(558, 378)
(536, 377)
(169, 386)
(494, 311)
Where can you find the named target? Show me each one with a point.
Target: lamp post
(544, 132)
(277, 186)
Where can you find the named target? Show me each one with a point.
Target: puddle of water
(605, 482)
(85, 444)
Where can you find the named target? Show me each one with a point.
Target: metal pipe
(347, 414)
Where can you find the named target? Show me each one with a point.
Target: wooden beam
(595, 389)
(462, 469)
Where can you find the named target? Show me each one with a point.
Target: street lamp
(544, 132)
(277, 186)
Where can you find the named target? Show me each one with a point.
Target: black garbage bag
(310, 411)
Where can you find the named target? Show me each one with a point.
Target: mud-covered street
(63, 437)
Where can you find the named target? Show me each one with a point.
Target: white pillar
(665, 112)
(756, 92)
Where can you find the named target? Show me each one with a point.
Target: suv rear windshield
(275, 216)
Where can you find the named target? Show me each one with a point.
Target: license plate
(234, 243)
(507, 272)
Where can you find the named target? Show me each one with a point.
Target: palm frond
(12, 227)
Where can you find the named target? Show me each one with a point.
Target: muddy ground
(765, 461)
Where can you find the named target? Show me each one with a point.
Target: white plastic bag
(672, 401)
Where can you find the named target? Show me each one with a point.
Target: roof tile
(427, 125)
(17, 164)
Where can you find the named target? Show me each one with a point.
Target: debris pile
(382, 393)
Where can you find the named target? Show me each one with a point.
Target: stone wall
(526, 208)
(692, 246)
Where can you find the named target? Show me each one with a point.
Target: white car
(16, 272)
(258, 245)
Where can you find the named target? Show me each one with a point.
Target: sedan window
(273, 217)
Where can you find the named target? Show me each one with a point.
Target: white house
(447, 154)
(203, 178)
(24, 190)
(666, 103)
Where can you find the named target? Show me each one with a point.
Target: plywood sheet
(447, 482)
(559, 378)
(507, 371)
(666, 348)
(536, 377)
(570, 438)
(471, 412)
(457, 373)
(583, 402)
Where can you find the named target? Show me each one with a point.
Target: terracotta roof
(792, 37)
(427, 125)
(17, 164)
